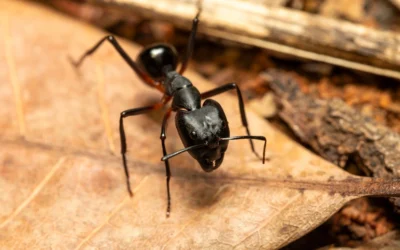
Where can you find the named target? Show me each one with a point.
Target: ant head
(204, 126)
(155, 58)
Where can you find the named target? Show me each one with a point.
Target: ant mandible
(203, 130)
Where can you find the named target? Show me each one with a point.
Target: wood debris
(336, 131)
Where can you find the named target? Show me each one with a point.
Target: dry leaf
(61, 177)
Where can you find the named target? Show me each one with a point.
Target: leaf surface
(61, 175)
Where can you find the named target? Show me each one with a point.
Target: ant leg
(189, 49)
(127, 113)
(145, 77)
(167, 169)
(228, 87)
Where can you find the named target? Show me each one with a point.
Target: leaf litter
(62, 177)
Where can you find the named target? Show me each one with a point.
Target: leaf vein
(193, 218)
(268, 219)
(13, 76)
(35, 192)
(103, 107)
(113, 212)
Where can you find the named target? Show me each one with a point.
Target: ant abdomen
(154, 58)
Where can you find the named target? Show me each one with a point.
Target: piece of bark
(280, 30)
(336, 131)
(353, 10)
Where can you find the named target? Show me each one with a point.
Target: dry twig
(281, 30)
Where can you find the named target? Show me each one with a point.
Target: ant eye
(193, 135)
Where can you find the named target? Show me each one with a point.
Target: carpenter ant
(203, 129)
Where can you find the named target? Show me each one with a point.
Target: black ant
(203, 129)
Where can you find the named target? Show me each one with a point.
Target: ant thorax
(174, 82)
(185, 95)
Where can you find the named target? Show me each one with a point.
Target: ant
(204, 129)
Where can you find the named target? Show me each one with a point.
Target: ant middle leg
(163, 136)
(144, 76)
(227, 87)
(133, 112)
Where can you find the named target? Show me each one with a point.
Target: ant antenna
(166, 157)
(261, 138)
(233, 138)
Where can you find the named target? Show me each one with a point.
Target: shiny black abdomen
(155, 57)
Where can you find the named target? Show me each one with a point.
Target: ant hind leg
(190, 46)
(142, 75)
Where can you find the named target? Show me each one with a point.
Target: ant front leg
(127, 113)
(145, 77)
(163, 136)
(227, 87)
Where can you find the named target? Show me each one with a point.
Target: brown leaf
(60, 171)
